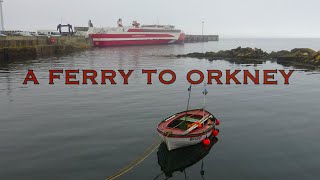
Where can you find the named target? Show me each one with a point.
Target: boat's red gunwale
(175, 132)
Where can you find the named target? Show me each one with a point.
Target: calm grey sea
(90, 131)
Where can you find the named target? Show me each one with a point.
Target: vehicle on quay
(49, 33)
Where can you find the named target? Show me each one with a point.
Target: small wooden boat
(188, 127)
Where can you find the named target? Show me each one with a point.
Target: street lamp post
(202, 26)
(1, 14)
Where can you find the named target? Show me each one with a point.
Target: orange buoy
(215, 132)
(217, 122)
(199, 124)
(206, 142)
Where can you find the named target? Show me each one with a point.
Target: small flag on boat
(205, 92)
(189, 89)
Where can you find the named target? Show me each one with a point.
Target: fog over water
(228, 18)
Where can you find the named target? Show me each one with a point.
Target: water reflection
(181, 159)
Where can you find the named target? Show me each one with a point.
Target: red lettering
(125, 76)
(111, 77)
(30, 77)
(246, 74)
(149, 73)
(173, 76)
(232, 76)
(197, 72)
(53, 76)
(217, 78)
(286, 76)
(91, 77)
(266, 76)
(71, 76)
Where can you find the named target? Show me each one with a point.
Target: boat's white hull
(177, 142)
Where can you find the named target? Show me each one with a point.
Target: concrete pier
(19, 47)
(201, 38)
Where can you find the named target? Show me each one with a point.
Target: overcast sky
(228, 18)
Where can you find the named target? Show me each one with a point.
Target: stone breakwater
(297, 55)
(18, 47)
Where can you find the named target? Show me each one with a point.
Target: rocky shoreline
(298, 55)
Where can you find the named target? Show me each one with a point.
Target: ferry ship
(136, 35)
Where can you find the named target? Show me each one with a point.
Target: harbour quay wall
(200, 38)
(24, 48)
(21, 41)
(20, 47)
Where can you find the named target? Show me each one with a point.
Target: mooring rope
(138, 160)
(156, 143)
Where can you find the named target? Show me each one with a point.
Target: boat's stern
(181, 38)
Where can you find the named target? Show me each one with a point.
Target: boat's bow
(186, 128)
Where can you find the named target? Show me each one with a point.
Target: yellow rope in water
(137, 161)
(138, 157)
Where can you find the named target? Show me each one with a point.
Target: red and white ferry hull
(136, 36)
